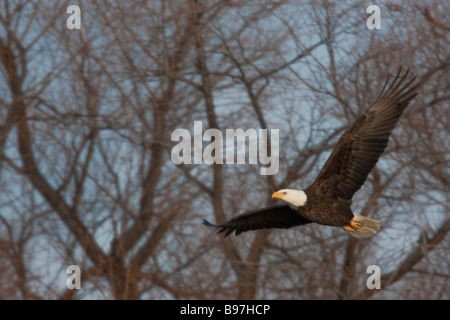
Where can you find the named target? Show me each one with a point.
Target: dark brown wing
(277, 216)
(359, 148)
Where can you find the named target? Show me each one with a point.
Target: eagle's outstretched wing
(277, 216)
(359, 148)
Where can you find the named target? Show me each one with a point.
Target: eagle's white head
(295, 198)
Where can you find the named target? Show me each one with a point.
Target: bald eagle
(327, 201)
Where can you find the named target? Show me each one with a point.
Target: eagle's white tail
(367, 227)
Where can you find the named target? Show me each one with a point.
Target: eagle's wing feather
(359, 148)
(277, 216)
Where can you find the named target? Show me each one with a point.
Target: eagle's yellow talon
(354, 225)
(349, 228)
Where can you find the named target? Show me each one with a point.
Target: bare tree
(86, 176)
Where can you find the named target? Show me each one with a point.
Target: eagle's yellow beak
(277, 195)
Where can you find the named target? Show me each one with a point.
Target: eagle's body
(328, 199)
(325, 210)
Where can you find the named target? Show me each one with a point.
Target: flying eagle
(328, 199)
